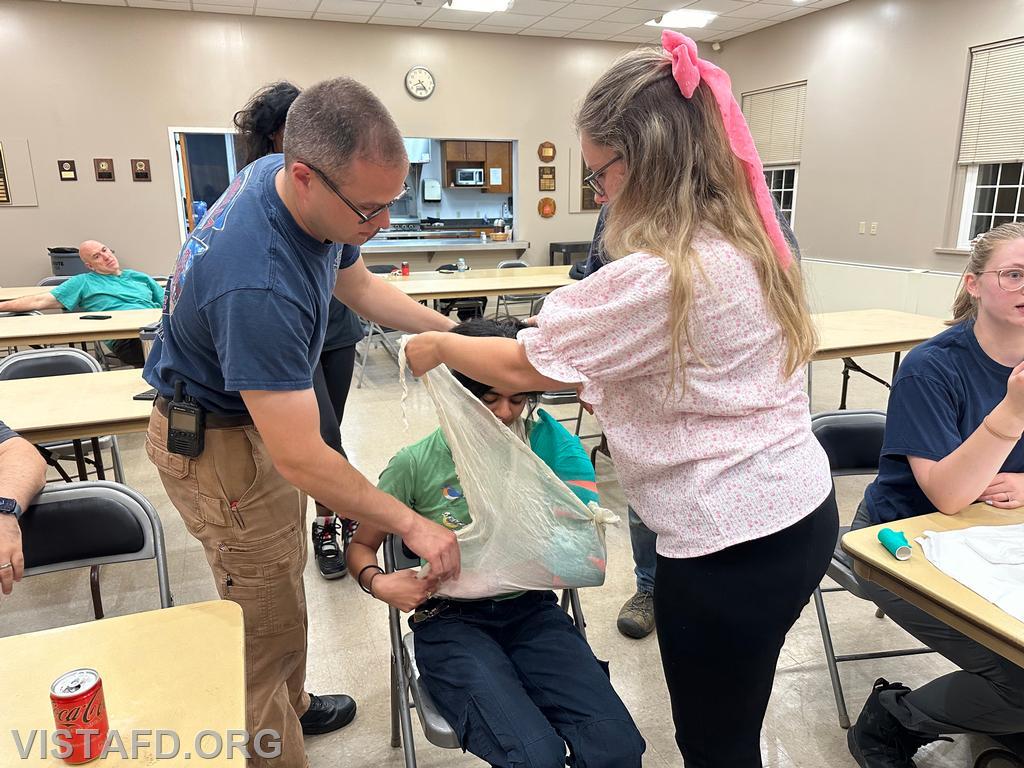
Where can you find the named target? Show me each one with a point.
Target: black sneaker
(348, 530)
(877, 739)
(329, 557)
(327, 713)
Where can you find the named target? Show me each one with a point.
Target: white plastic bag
(529, 530)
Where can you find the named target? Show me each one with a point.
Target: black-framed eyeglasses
(363, 217)
(1009, 279)
(593, 179)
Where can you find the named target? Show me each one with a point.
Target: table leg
(83, 473)
(98, 458)
(895, 365)
(810, 385)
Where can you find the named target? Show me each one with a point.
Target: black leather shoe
(327, 713)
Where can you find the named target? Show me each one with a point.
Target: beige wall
(885, 87)
(85, 81)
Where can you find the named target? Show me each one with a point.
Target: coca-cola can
(79, 709)
(405, 268)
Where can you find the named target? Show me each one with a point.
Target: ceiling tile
(497, 30)
(393, 22)
(424, 3)
(350, 7)
(555, 24)
(536, 7)
(758, 11)
(617, 3)
(167, 5)
(121, 3)
(416, 13)
(727, 23)
(216, 8)
(516, 20)
(607, 28)
(634, 15)
(795, 13)
(534, 32)
(826, 3)
(656, 5)
(283, 14)
(348, 18)
(446, 25)
(581, 11)
(587, 36)
(289, 5)
(716, 6)
(458, 17)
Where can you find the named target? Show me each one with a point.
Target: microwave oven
(469, 177)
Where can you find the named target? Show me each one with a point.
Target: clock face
(419, 83)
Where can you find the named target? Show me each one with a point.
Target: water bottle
(461, 265)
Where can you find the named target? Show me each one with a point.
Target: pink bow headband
(688, 70)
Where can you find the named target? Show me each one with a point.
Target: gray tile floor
(348, 630)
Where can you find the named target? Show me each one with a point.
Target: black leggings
(722, 619)
(331, 381)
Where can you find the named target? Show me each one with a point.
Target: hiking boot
(327, 713)
(636, 619)
(329, 557)
(877, 739)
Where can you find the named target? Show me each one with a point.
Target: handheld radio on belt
(186, 424)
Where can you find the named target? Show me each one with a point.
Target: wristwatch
(10, 507)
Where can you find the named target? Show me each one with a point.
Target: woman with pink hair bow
(690, 345)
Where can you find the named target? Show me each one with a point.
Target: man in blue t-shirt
(243, 325)
(105, 287)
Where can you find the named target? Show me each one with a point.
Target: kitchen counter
(443, 245)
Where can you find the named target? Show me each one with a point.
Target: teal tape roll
(896, 542)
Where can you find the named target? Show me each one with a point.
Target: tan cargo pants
(251, 523)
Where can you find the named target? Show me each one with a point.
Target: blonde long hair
(681, 173)
(965, 306)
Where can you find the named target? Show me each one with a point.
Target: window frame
(795, 167)
(967, 212)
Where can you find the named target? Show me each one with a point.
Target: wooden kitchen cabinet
(499, 155)
(454, 151)
(476, 151)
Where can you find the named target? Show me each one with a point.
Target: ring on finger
(6, 565)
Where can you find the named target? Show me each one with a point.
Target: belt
(213, 420)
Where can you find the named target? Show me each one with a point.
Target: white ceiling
(615, 20)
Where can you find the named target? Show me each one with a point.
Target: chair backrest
(852, 440)
(511, 264)
(78, 525)
(396, 556)
(381, 269)
(54, 279)
(448, 267)
(36, 363)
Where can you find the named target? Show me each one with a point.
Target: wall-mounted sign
(104, 167)
(546, 178)
(546, 207)
(5, 191)
(67, 170)
(546, 152)
(140, 170)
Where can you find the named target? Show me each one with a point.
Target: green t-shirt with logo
(90, 292)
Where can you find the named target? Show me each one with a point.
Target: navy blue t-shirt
(6, 433)
(942, 391)
(246, 305)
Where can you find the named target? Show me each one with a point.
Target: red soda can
(405, 268)
(78, 705)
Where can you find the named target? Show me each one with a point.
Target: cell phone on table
(149, 394)
(95, 317)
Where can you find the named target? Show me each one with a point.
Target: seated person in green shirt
(511, 674)
(104, 288)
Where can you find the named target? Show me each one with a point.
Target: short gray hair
(336, 121)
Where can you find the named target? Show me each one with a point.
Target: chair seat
(80, 529)
(435, 727)
(840, 570)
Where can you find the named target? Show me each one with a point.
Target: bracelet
(359, 578)
(1000, 435)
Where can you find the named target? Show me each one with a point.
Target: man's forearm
(381, 302)
(27, 303)
(22, 471)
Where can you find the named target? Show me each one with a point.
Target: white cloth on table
(986, 559)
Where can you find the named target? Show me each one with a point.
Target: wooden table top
(921, 583)
(871, 332)
(76, 406)
(17, 291)
(176, 669)
(481, 282)
(68, 327)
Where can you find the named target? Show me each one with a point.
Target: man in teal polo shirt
(104, 288)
